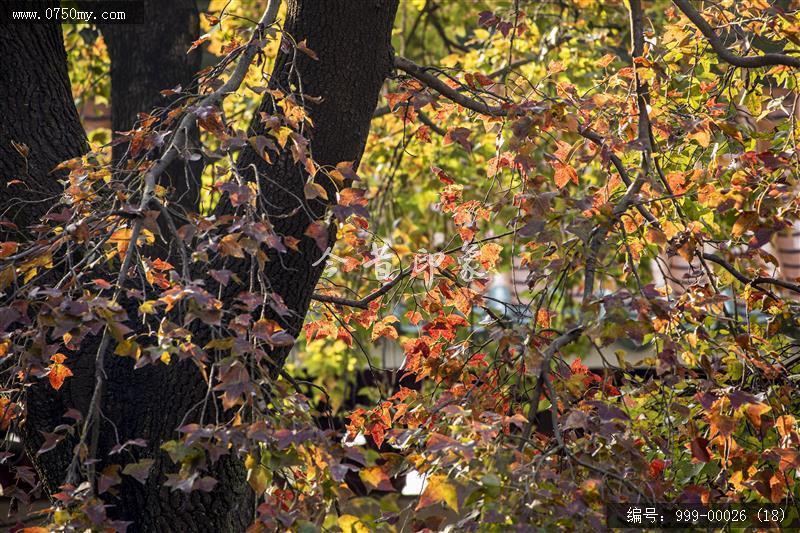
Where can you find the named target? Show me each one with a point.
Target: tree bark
(145, 60)
(353, 42)
(37, 114)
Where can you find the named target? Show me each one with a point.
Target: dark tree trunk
(353, 43)
(352, 39)
(145, 60)
(38, 115)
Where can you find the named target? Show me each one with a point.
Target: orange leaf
(376, 479)
(7, 248)
(490, 253)
(438, 489)
(58, 371)
(384, 328)
(564, 174)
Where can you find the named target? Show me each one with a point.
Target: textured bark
(353, 43)
(147, 59)
(352, 40)
(37, 111)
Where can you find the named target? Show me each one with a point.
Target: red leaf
(700, 450)
(442, 175)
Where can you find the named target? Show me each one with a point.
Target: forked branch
(766, 60)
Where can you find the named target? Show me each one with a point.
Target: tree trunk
(145, 60)
(352, 40)
(39, 126)
(353, 43)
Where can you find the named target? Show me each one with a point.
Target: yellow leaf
(375, 478)
(283, 135)
(702, 136)
(259, 479)
(439, 489)
(148, 307)
(351, 524)
(128, 348)
(490, 253)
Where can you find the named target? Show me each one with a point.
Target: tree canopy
(539, 256)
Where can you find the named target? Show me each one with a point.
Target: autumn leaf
(259, 478)
(58, 371)
(351, 524)
(755, 411)
(199, 42)
(314, 190)
(8, 248)
(442, 175)
(384, 328)
(319, 232)
(303, 47)
(699, 447)
(564, 174)
(438, 489)
(490, 254)
(229, 246)
(139, 471)
(376, 479)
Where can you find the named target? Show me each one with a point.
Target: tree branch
(558, 343)
(755, 282)
(175, 148)
(363, 303)
(724, 53)
(432, 81)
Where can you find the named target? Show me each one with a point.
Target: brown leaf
(700, 449)
(307, 51)
(319, 232)
(8, 248)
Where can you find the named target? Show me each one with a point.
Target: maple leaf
(438, 489)
(490, 253)
(139, 471)
(351, 524)
(699, 447)
(8, 248)
(229, 246)
(564, 173)
(58, 371)
(442, 175)
(384, 328)
(319, 232)
(377, 431)
(376, 479)
(303, 47)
